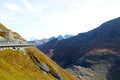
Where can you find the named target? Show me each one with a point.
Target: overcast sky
(46, 18)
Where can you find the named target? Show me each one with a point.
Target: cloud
(55, 17)
(28, 6)
(12, 7)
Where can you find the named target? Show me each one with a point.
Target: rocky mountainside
(94, 55)
(27, 63)
(8, 36)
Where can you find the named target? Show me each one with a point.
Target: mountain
(51, 38)
(60, 37)
(39, 42)
(45, 40)
(8, 36)
(94, 55)
(27, 63)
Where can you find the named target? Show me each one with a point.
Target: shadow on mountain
(68, 51)
(114, 71)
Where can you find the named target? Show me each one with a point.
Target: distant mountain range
(94, 55)
(45, 40)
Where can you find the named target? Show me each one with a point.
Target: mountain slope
(14, 65)
(27, 63)
(94, 55)
(105, 36)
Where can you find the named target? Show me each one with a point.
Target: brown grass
(3, 27)
(53, 66)
(14, 65)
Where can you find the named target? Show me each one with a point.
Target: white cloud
(80, 18)
(76, 19)
(55, 17)
(12, 7)
(28, 6)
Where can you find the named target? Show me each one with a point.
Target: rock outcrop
(8, 36)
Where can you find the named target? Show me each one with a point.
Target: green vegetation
(14, 65)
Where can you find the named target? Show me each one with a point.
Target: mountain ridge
(38, 42)
(88, 39)
(92, 55)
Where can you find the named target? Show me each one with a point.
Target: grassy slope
(14, 65)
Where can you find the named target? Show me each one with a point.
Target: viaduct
(14, 46)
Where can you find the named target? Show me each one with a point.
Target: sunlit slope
(8, 36)
(14, 65)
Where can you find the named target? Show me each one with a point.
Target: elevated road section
(14, 46)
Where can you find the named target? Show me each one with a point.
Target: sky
(37, 19)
